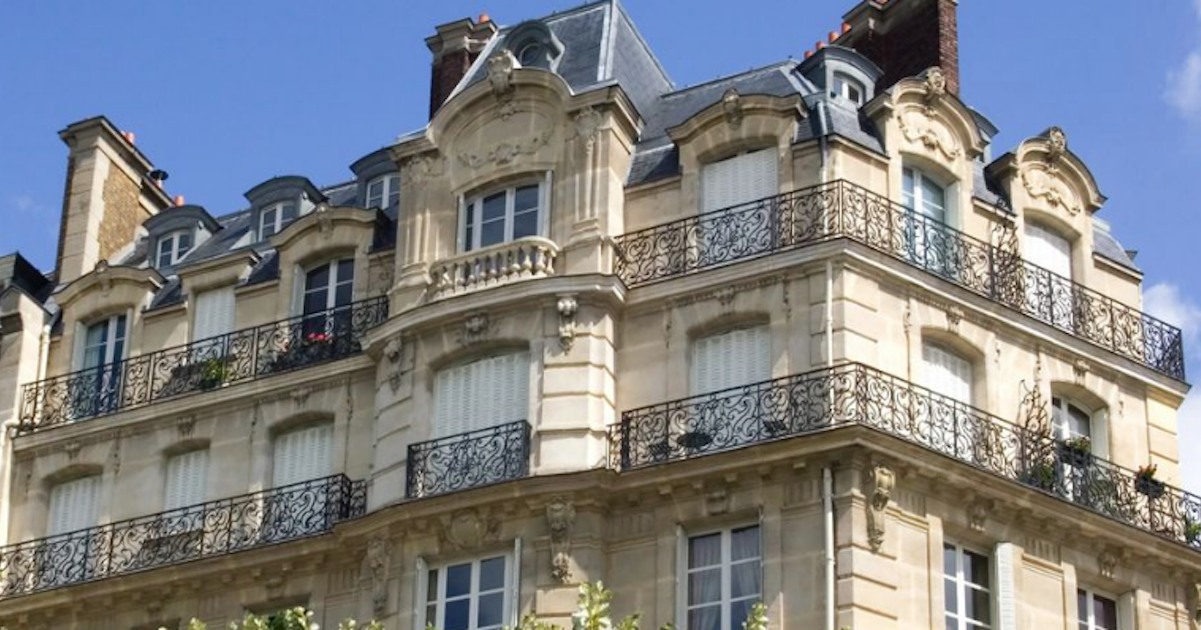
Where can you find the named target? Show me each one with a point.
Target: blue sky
(226, 94)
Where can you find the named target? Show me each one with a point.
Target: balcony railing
(211, 529)
(199, 366)
(521, 259)
(468, 460)
(855, 394)
(843, 210)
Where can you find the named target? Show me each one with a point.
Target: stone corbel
(325, 224)
(883, 481)
(954, 316)
(935, 86)
(476, 327)
(560, 517)
(103, 277)
(468, 530)
(500, 73)
(977, 514)
(379, 559)
(394, 353)
(732, 107)
(567, 307)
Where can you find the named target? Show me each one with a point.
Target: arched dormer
(844, 74)
(278, 201)
(377, 180)
(101, 314)
(329, 242)
(176, 231)
(533, 45)
(928, 120)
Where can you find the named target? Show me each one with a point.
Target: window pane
(744, 580)
(707, 618)
(948, 561)
(1105, 613)
(704, 586)
(975, 568)
(1078, 422)
(492, 574)
(739, 611)
(267, 223)
(744, 543)
(952, 623)
(346, 270)
(289, 211)
(394, 192)
(978, 606)
(491, 610)
(704, 551)
(525, 224)
(314, 302)
(527, 198)
(494, 207)
(431, 589)
(458, 580)
(344, 294)
(185, 243)
(458, 614)
(950, 594)
(492, 232)
(375, 193)
(317, 278)
(908, 193)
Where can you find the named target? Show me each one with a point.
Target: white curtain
(704, 582)
(74, 505)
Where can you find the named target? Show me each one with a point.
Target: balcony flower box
(1075, 452)
(314, 347)
(1146, 483)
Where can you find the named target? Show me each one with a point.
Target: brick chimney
(455, 46)
(107, 197)
(904, 37)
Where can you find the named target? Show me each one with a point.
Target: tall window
(187, 478)
(923, 195)
(484, 393)
(383, 191)
(329, 285)
(273, 218)
(74, 505)
(967, 588)
(469, 595)
(731, 359)
(173, 246)
(723, 578)
(214, 313)
(1049, 290)
(503, 215)
(303, 454)
(947, 373)
(104, 342)
(1048, 249)
(1070, 420)
(737, 180)
(1095, 612)
(928, 241)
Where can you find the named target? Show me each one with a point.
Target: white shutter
(1048, 250)
(947, 374)
(74, 505)
(681, 577)
(739, 179)
(515, 594)
(731, 359)
(482, 394)
(303, 455)
(187, 477)
(1099, 433)
(214, 314)
(1006, 600)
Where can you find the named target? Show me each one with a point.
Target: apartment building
(799, 335)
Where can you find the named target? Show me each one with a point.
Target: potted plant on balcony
(1040, 474)
(1192, 530)
(1075, 451)
(1146, 483)
(214, 371)
(310, 348)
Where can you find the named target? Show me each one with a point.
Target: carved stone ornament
(500, 73)
(568, 306)
(103, 277)
(186, 425)
(977, 515)
(1080, 370)
(1057, 144)
(420, 169)
(919, 127)
(731, 105)
(883, 481)
(725, 295)
(394, 352)
(477, 327)
(379, 553)
(72, 449)
(560, 517)
(935, 85)
(467, 530)
(1045, 185)
(1107, 562)
(954, 316)
(325, 224)
(506, 110)
(586, 126)
(505, 152)
(300, 396)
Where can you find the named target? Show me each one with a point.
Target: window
(172, 247)
(275, 217)
(187, 479)
(1047, 249)
(967, 588)
(303, 455)
(74, 505)
(503, 216)
(214, 314)
(947, 373)
(104, 342)
(481, 394)
(738, 180)
(848, 88)
(329, 286)
(1070, 420)
(723, 578)
(927, 237)
(530, 54)
(1095, 612)
(469, 595)
(385, 188)
(924, 195)
(730, 359)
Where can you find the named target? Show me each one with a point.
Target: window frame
(919, 177)
(390, 189)
(172, 239)
(952, 353)
(961, 589)
(1064, 404)
(438, 600)
(331, 287)
(471, 212)
(278, 222)
(117, 331)
(726, 599)
(1034, 229)
(1089, 622)
(844, 83)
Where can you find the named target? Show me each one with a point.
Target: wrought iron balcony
(468, 460)
(207, 530)
(841, 209)
(854, 394)
(204, 365)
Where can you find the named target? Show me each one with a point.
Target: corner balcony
(841, 209)
(200, 366)
(468, 460)
(858, 395)
(212, 529)
(525, 258)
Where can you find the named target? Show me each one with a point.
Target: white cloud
(1183, 89)
(23, 204)
(1164, 300)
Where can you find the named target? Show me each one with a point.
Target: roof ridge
(760, 69)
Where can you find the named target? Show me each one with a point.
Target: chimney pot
(846, 27)
(484, 18)
(129, 137)
(820, 44)
(179, 200)
(808, 54)
(833, 36)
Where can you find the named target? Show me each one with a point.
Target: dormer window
(502, 216)
(529, 54)
(274, 217)
(849, 89)
(172, 247)
(534, 46)
(383, 191)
